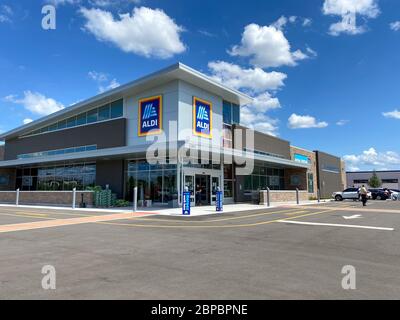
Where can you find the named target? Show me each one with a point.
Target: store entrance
(203, 193)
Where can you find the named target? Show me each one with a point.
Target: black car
(379, 194)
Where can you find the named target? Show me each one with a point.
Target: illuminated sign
(202, 118)
(302, 158)
(150, 116)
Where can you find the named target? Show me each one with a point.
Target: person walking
(364, 195)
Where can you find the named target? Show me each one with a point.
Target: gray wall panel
(329, 181)
(105, 135)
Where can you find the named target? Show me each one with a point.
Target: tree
(375, 182)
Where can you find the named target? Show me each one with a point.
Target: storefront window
(227, 112)
(228, 137)
(228, 188)
(154, 182)
(57, 178)
(310, 183)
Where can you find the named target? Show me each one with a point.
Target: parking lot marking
(361, 209)
(52, 222)
(26, 215)
(356, 216)
(293, 211)
(158, 226)
(335, 225)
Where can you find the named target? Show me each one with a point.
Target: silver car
(349, 194)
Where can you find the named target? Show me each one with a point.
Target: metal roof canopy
(135, 151)
(177, 71)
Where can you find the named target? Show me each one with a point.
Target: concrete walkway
(229, 208)
(195, 212)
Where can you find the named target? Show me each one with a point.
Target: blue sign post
(220, 201)
(186, 203)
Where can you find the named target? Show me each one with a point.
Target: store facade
(168, 131)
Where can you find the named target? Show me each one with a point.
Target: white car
(350, 193)
(395, 196)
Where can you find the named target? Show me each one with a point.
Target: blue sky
(325, 73)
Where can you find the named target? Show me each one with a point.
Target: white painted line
(356, 216)
(336, 225)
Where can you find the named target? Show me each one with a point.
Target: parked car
(380, 194)
(350, 193)
(395, 194)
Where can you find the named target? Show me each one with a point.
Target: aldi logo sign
(150, 116)
(202, 118)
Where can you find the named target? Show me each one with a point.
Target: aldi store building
(172, 129)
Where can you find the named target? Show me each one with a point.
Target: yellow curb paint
(61, 222)
(24, 215)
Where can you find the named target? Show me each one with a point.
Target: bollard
(74, 198)
(17, 198)
(268, 198)
(319, 196)
(297, 196)
(135, 193)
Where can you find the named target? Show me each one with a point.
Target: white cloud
(27, 120)
(258, 120)
(256, 80)
(348, 11)
(304, 122)
(57, 3)
(265, 102)
(307, 22)
(372, 159)
(6, 13)
(112, 85)
(146, 32)
(267, 46)
(342, 123)
(395, 114)
(395, 26)
(36, 103)
(102, 79)
(284, 21)
(110, 3)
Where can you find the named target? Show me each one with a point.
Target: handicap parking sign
(220, 201)
(186, 203)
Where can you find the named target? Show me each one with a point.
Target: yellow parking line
(46, 213)
(210, 226)
(26, 216)
(219, 220)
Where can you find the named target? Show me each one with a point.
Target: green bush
(122, 203)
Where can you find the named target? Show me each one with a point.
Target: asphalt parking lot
(280, 253)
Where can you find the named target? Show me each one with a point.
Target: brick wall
(283, 196)
(313, 166)
(54, 198)
(301, 174)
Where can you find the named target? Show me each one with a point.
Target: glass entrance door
(214, 188)
(189, 183)
(203, 190)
